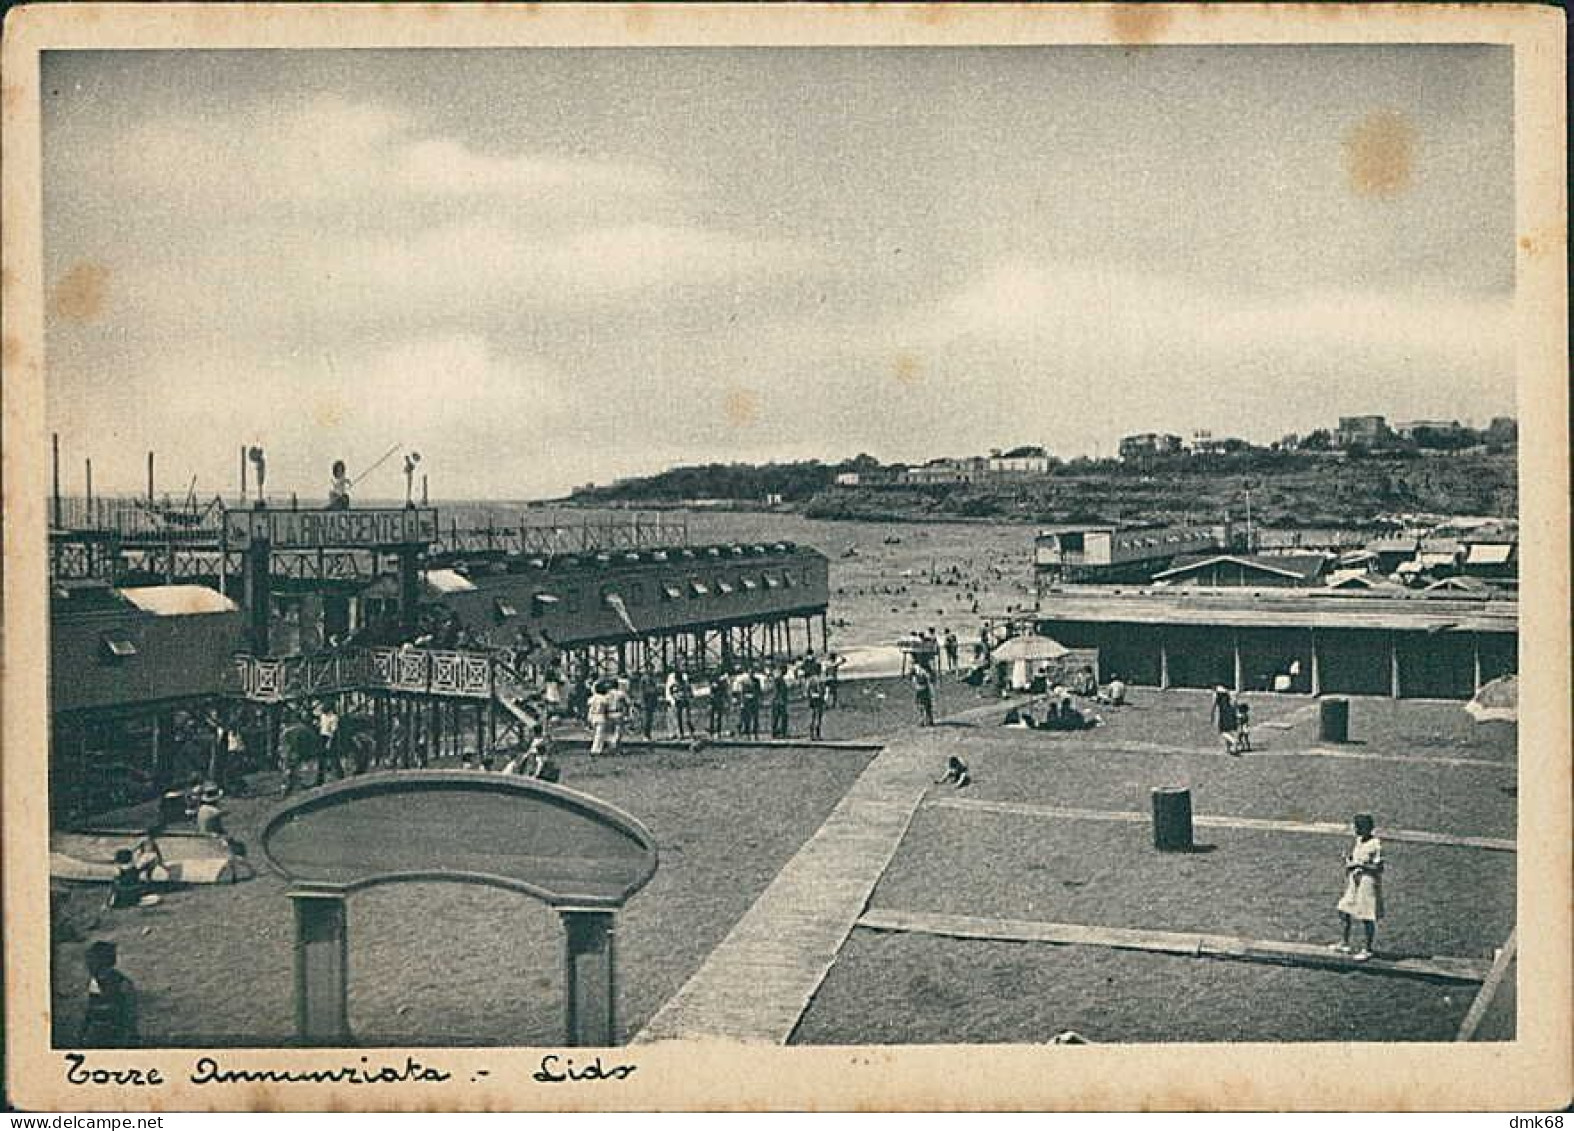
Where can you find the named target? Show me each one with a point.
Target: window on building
(670, 592)
(118, 645)
(541, 602)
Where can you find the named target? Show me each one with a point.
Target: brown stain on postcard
(741, 407)
(1380, 154)
(328, 411)
(1542, 240)
(1138, 23)
(81, 293)
(907, 369)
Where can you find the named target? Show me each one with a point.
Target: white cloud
(1107, 310)
(331, 151)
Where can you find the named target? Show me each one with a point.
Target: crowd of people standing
(660, 705)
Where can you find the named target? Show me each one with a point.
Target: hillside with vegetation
(1283, 488)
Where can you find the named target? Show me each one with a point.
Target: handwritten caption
(205, 1070)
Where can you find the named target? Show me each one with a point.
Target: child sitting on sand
(956, 773)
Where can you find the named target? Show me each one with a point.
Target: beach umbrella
(1497, 699)
(1030, 648)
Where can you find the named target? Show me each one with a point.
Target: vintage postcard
(603, 557)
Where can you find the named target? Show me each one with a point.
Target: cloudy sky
(543, 267)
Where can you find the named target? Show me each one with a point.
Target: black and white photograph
(694, 533)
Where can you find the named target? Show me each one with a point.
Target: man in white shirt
(328, 738)
(596, 714)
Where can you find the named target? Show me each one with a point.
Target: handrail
(457, 673)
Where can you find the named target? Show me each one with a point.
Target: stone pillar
(589, 986)
(322, 959)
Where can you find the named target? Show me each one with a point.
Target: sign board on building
(337, 529)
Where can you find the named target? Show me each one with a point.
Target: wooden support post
(255, 570)
(54, 446)
(161, 776)
(407, 738)
(380, 729)
(1164, 662)
(409, 589)
(1475, 659)
(150, 477)
(1394, 685)
(322, 959)
(1317, 670)
(1235, 650)
(590, 986)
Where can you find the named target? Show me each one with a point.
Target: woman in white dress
(1363, 886)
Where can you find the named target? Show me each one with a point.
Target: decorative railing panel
(456, 674)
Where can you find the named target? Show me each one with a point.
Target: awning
(1490, 554)
(177, 600)
(447, 581)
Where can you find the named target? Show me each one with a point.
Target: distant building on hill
(868, 477)
(1148, 445)
(1434, 433)
(946, 471)
(1029, 460)
(1503, 430)
(1205, 443)
(1362, 432)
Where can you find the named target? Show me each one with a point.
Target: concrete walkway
(1204, 821)
(1190, 944)
(757, 983)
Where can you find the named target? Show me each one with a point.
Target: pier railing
(426, 671)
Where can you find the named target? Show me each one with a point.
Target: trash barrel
(1334, 720)
(1172, 819)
